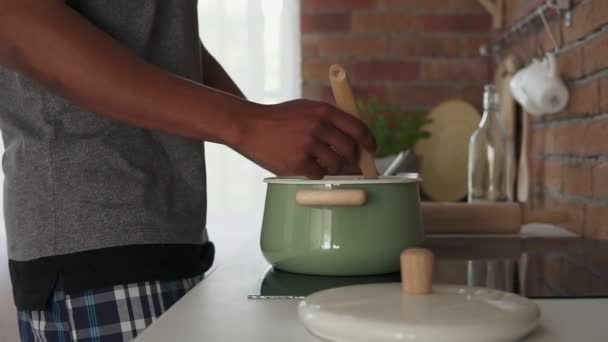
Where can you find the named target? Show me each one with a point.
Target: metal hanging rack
(494, 48)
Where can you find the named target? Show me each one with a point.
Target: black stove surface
(531, 267)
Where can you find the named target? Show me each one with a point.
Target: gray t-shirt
(76, 181)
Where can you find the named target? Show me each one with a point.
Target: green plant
(395, 130)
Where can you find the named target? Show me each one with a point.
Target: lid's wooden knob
(417, 271)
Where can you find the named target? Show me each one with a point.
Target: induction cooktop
(534, 268)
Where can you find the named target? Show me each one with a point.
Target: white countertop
(218, 309)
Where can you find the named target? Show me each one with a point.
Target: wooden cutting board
(483, 218)
(444, 156)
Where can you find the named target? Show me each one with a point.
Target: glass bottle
(491, 155)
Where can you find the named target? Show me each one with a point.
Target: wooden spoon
(346, 102)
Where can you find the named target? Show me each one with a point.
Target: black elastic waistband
(33, 281)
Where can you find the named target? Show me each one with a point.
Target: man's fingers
(354, 128)
(340, 142)
(327, 157)
(313, 170)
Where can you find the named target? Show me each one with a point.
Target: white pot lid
(382, 312)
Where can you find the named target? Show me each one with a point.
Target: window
(257, 42)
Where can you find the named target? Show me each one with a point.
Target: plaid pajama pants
(111, 314)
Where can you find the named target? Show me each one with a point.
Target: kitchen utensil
(504, 72)
(396, 163)
(340, 225)
(508, 109)
(417, 311)
(444, 155)
(539, 88)
(483, 218)
(346, 102)
(523, 170)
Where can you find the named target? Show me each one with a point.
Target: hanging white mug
(538, 87)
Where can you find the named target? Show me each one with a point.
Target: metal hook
(540, 49)
(529, 28)
(541, 13)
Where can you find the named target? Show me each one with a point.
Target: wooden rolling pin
(346, 102)
(482, 218)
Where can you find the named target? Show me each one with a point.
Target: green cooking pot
(342, 225)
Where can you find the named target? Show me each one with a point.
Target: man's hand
(304, 138)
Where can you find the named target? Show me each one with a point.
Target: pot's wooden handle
(331, 197)
(346, 102)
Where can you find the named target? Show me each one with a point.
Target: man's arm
(216, 77)
(53, 44)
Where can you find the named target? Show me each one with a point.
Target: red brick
(600, 180)
(535, 168)
(604, 94)
(422, 95)
(310, 46)
(537, 140)
(596, 225)
(596, 52)
(385, 22)
(586, 18)
(540, 200)
(339, 4)
(554, 138)
(311, 92)
(568, 139)
(385, 70)
(353, 45)
(471, 44)
(325, 22)
(316, 70)
(425, 46)
(552, 175)
(515, 9)
(326, 95)
(571, 63)
(455, 70)
(576, 216)
(473, 95)
(416, 4)
(467, 4)
(577, 180)
(360, 92)
(585, 98)
(594, 139)
(457, 22)
(564, 114)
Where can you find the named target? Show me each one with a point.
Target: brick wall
(419, 53)
(569, 150)
(415, 53)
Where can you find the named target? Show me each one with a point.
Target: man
(104, 105)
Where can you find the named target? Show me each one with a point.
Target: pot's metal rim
(401, 178)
